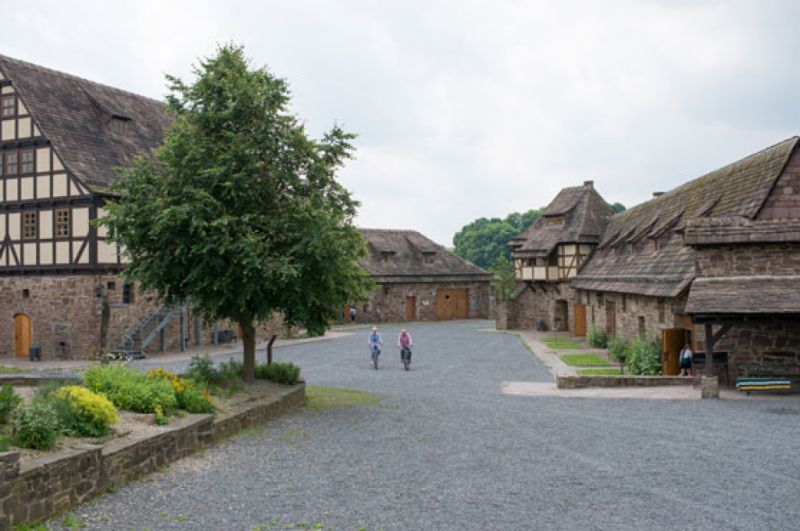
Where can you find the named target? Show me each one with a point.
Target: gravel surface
(445, 449)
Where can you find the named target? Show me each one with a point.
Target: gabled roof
(745, 295)
(74, 114)
(405, 254)
(584, 212)
(737, 190)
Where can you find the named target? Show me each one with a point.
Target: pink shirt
(404, 340)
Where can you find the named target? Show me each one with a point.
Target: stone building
(715, 260)
(417, 279)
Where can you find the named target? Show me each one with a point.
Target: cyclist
(405, 343)
(375, 342)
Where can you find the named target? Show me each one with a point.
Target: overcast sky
(466, 108)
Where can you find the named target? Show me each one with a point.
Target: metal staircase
(134, 343)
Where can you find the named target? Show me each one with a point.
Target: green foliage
(129, 389)
(484, 241)
(597, 337)
(91, 414)
(36, 426)
(256, 219)
(617, 208)
(201, 369)
(5, 442)
(643, 357)
(599, 372)
(159, 417)
(583, 360)
(561, 343)
(503, 279)
(195, 399)
(335, 398)
(617, 347)
(285, 373)
(9, 400)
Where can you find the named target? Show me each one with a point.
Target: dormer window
(385, 255)
(428, 257)
(119, 125)
(554, 220)
(9, 106)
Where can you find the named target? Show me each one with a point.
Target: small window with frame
(30, 225)
(9, 106)
(27, 160)
(62, 223)
(12, 164)
(119, 126)
(127, 293)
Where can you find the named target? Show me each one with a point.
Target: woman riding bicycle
(405, 343)
(375, 342)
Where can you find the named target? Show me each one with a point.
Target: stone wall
(567, 381)
(43, 487)
(540, 302)
(747, 260)
(629, 310)
(387, 303)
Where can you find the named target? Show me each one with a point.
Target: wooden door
(23, 335)
(411, 308)
(672, 341)
(451, 304)
(611, 319)
(579, 315)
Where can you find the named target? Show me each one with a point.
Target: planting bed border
(567, 381)
(43, 487)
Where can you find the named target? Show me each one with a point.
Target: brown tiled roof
(585, 215)
(734, 191)
(720, 231)
(406, 252)
(75, 114)
(745, 295)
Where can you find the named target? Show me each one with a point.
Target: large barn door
(23, 335)
(561, 317)
(579, 314)
(451, 304)
(672, 341)
(611, 319)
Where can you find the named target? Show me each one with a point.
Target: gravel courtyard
(445, 449)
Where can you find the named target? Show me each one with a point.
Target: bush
(230, 371)
(285, 373)
(191, 396)
(36, 426)
(9, 400)
(597, 337)
(617, 347)
(644, 357)
(201, 369)
(91, 414)
(131, 390)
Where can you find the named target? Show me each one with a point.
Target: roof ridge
(73, 77)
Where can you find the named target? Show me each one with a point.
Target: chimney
(590, 184)
(658, 194)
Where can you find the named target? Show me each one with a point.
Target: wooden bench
(748, 384)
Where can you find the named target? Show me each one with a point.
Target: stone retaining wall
(43, 487)
(575, 382)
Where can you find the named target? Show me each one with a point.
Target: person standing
(686, 360)
(375, 342)
(405, 343)
(352, 314)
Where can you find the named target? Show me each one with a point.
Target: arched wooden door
(23, 335)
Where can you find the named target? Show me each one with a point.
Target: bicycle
(405, 357)
(376, 351)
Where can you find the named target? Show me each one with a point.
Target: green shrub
(285, 373)
(201, 369)
(5, 442)
(230, 371)
(92, 414)
(36, 426)
(597, 337)
(617, 347)
(195, 399)
(131, 390)
(643, 357)
(9, 400)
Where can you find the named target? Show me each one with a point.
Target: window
(29, 226)
(27, 161)
(11, 164)
(624, 303)
(428, 258)
(119, 126)
(9, 106)
(111, 286)
(62, 223)
(661, 311)
(26, 293)
(642, 330)
(127, 293)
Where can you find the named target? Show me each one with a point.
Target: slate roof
(745, 295)
(723, 231)
(585, 215)
(406, 251)
(75, 114)
(737, 190)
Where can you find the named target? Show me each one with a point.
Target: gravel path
(446, 449)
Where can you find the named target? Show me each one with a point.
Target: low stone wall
(575, 382)
(34, 380)
(43, 487)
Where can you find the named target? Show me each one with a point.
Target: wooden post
(183, 329)
(196, 331)
(709, 350)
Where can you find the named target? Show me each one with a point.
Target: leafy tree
(503, 279)
(617, 208)
(239, 211)
(484, 240)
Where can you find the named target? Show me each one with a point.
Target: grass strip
(583, 360)
(599, 372)
(337, 397)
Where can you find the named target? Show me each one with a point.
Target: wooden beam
(721, 332)
(709, 350)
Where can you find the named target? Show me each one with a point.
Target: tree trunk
(249, 344)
